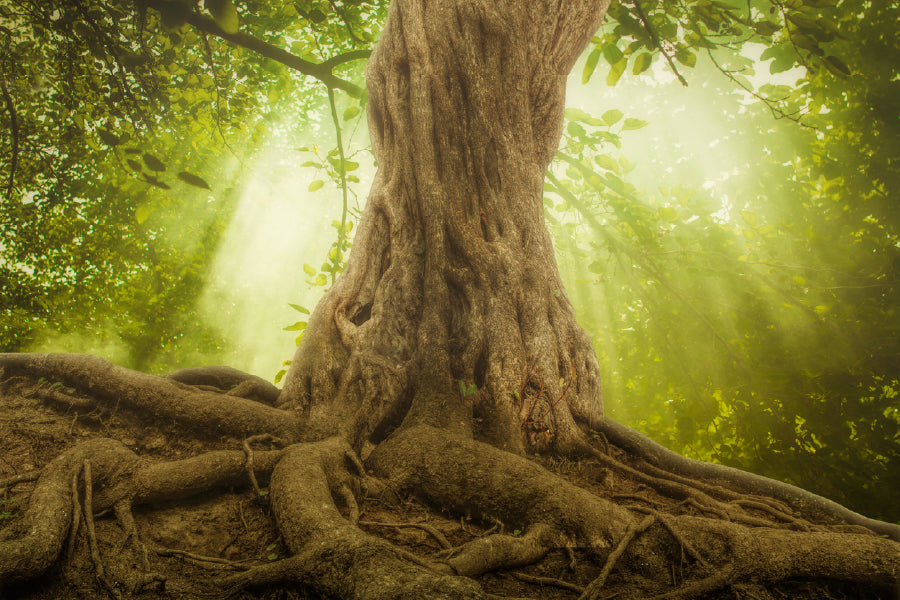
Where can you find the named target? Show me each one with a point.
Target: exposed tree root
(332, 556)
(92, 534)
(164, 398)
(548, 581)
(317, 491)
(113, 474)
(806, 502)
(432, 531)
(593, 590)
(229, 381)
(464, 475)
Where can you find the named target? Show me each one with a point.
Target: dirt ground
(231, 524)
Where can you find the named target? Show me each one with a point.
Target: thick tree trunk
(452, 277)
(451, 287)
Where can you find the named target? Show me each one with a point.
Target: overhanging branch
(14, 135)
(320, 71)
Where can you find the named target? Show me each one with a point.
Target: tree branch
(14, 135)
(321, 71)
(655, 38)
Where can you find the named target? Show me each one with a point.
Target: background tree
(752, 308)
(445, 354)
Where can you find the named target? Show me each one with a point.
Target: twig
(17, 479)
(684, 544)
(548, 581)
(199, 558)
(342, 234)
(593, 589)
(318, 71)
(655, 38)
(241, 514)
(14, 138)
(343, 17)
(248, 451)
(429, 529)
(122, 509)
(76, 515)
(92, 534)
(350, 500)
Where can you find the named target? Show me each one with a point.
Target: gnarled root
(88, 381)
(330, 554)
(466, 476)
(118, 479)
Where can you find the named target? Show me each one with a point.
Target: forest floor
(232, 526)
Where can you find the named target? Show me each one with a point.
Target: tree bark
(452, 281)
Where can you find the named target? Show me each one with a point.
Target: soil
(231, 524)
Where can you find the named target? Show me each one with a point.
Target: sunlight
(275, 229)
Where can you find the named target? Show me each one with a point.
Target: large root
(470, 477)
(318, 489)
(118, 478)
(331, 554)
(81, 379)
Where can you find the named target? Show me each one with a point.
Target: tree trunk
(452, 284)
(449, 330)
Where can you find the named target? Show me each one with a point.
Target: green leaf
(576, 130)
(837, 66)
(321, 279)
(142, 213)
(607, 162)
(316, 16)
(174, 14)
(766, 28)
(466, 390)
(615, 72)
(631, 124)
(299, 308)
(612, 116)
(316, 185)
(589, 65)
(156, 182)
(309, 270)
(134, 164)
(667, 213)
(612, 54)
(641, 63)
(298, 326)
(224, 14)
(749, 217)
(280, 375)
(807, 42)
(686, 57)
(153, 163)
(351, 112)
(110, 139)
(194, 180)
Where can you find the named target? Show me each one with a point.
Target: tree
(762, 339)
(445, 364)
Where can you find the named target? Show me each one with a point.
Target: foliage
(126, 138)
(749, 320)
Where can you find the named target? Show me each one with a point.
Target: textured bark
(452, 275)
(452, 283)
